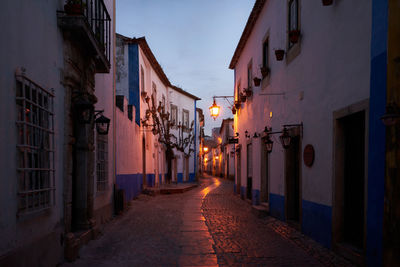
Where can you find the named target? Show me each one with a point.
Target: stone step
(260, 210)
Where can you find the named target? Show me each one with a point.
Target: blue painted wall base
(131, 184)
(255, 199)
(277, 206)
(242, 192)
(317, 222)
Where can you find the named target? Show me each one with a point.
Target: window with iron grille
(35, 146)
(102, 162)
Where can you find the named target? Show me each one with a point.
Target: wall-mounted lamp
(246, 133)
(392, 115)
(214, 110)
(102, 122)
(268, 144)
(285, 138)
(205, 149)
(256, 135)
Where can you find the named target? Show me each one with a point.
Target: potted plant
(257, 81)
(248, 92)
(233, 110)
(279, 54)
(294, 36)
(237, 104)
(327, 2)
(264, 71)
(74, 7)
(242, 97)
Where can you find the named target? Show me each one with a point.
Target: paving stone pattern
(206, 226)
(243, 239)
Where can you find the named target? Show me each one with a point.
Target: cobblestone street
(207, 226)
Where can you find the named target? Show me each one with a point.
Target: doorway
(349, 195)
(292, 178)
(238, 170)
(264, 192)
(249, 171)
(186, 169)
(144, 161)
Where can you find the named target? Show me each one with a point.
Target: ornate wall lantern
(102, 124)
(285, 138)
(268, 144)
(214, 110)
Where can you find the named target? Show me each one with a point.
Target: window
(35, 146)
(174, 114)
(163, 101)
(293, 17)
(154, 93)
(265, 53)
(130, 112)
(238, 92)
(185, 118)
(142, 79)
(249, 76)
(102, 160)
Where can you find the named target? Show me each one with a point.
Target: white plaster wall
(128, 143)
(31, 39)
(154, 164)
(331, 72)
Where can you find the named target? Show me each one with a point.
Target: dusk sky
(192, 40)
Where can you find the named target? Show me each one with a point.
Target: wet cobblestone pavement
(207, 226)
(243, 239)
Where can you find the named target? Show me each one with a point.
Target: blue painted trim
(130, 183)
(151, 179)
(255, 200)
(195, 138)
(133, 78)
(277, 206)
(317, 222)
(160, 178)
(377, 134)
(192, 177)
(179, 177)
(243, 192)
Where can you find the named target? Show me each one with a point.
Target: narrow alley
(207, 226)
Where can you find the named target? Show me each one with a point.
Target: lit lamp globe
(205, 149)
(214, 110)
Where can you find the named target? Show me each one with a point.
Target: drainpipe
(195, 137)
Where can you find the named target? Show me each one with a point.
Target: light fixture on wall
(284, 138)
(102, 122)
(256, 135)
(246, 134)
(205, 149)
(214, 110)
(392, 115)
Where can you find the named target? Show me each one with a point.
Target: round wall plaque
(308, 155)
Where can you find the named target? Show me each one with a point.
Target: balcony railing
(96, 24)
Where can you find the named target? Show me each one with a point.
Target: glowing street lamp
(205, 149)
(214, 110)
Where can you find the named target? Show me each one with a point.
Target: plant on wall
(159, 119)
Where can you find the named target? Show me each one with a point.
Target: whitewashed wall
(330, 72)
(31, 39)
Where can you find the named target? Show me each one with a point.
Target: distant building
(141, 158)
